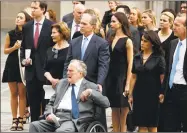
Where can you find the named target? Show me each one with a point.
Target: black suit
(34, 74)
(68, 17)
(178, 92)
(96, 58)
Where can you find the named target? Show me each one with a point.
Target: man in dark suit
(74, 25)
(176, 74)
(62, 104)
(93, 50)
(36, 40)
(69, 17)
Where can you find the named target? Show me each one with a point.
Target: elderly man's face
(179, 27)
(73, 74)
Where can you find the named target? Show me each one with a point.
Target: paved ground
(6, 118)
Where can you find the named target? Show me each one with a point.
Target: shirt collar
(78, 83)
(40, 22)
(88, 37)
(74, 23)
(183, 41)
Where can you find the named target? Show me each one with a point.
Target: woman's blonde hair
(139, 15)
(170, 16)
(151, 14)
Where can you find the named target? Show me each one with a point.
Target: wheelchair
(92, 124)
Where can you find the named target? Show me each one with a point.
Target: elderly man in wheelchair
(72, 107)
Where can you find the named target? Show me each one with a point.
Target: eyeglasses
(55, 53)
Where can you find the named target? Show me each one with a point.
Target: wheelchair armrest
(85, 120)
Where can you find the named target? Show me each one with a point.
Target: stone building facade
(10, 8)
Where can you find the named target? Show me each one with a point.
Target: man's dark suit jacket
(37, 55)
(68, 17)
(168, 70)
(96, 58)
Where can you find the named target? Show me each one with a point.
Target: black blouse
(54, 63)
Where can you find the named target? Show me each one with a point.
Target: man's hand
(85, 94)
(100, 87)
(49, 118)
(161, 98)
(27, 62)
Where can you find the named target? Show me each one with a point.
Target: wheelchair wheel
(96, 127)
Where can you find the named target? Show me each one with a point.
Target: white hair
(80, 66)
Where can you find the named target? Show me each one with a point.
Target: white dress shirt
(73, 28)
(40, 25)
(65, 103)
(179, 77)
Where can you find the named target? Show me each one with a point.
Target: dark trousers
(167, 117)
(36, 95)
(179, 97)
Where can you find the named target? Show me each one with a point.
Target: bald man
(74, 25)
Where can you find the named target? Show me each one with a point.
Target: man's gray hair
(80, 66)
(93, 20)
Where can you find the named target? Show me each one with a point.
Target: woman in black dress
(56, 55)
(119, 74)
(148, 73)
(11, 74)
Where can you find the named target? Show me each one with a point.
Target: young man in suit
(176, 74)
(94, 51)
(75, 87)
(36, 40)
(69, 17)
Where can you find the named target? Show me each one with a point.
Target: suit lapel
(173, 47)
(90, 47)
(81, 89)
(31, 34)
(77, 48)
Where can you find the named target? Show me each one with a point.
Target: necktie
(83, 47)
(175, 61)
(77, 28)
(75, 109)
(36, 35)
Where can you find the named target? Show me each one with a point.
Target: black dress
(117, 74)
(12, 72)
(147, 89)
(55, 63)
(166, 47)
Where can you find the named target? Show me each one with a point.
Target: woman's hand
(17, 45)
(161, 98)
(54, 82)
(126, 92)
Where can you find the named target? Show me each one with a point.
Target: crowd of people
(120, 61)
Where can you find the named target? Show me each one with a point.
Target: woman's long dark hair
(122, 18)
(27, 18)
(153, 37)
